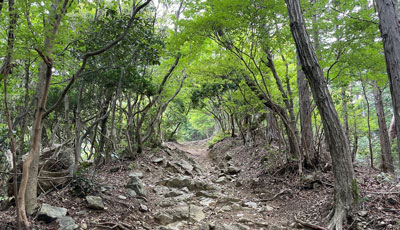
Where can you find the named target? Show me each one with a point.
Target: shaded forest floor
(229, 187)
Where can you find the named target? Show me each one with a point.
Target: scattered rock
(250, 204)
(188, 212)
(207, 194)
(122, 197)
(221, 180)
(95, 202)
(137, 185)
(137, 174)
(177, 182)
(49, 213)
(143, 208)
(66, 223)
(158, 160)
(269, 208)
(207, 202)
(363, 213)
(233, 170)
(130, 192)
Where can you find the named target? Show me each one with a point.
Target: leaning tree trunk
(345, 184)
(386, 153)
(390, 31)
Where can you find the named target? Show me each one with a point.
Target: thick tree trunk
(307, 136)
(386, 152)
(390, 31)
(345, 184)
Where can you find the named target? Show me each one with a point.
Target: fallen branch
(308, 225)
(276, 195)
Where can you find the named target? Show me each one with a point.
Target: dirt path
(234, 206)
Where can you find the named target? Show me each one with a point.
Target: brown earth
(266, 193)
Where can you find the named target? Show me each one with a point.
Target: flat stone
(49, 213)
(66, 223)
(95, 202)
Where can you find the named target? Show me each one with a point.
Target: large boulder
(48, 213)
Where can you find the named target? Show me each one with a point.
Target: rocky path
(195, 193)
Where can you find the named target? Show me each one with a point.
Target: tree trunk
(24, 123)
(345, 189)
(307, 136)
(390, 27)
(371, 153)
(345, 113)
(386, 152)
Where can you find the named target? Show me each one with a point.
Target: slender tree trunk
(24, 123)
(5, 70)
(307, 136)
(386, 152)
(390, 31)
(371, 153)
(345, 189)
(78, 129)
(345, 113)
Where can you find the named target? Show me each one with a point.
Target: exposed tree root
(308, 225)
(337, 217)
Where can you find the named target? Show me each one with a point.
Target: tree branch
(94, 53)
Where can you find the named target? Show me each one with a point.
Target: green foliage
(220, 136)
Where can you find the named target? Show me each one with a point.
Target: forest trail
(227, 205)
(196, 148)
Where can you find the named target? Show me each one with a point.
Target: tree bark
(345, 113)
(390, 31)
(307, 136)
(345, 189)
(371, 153)
(5, 70)
(386, 152)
